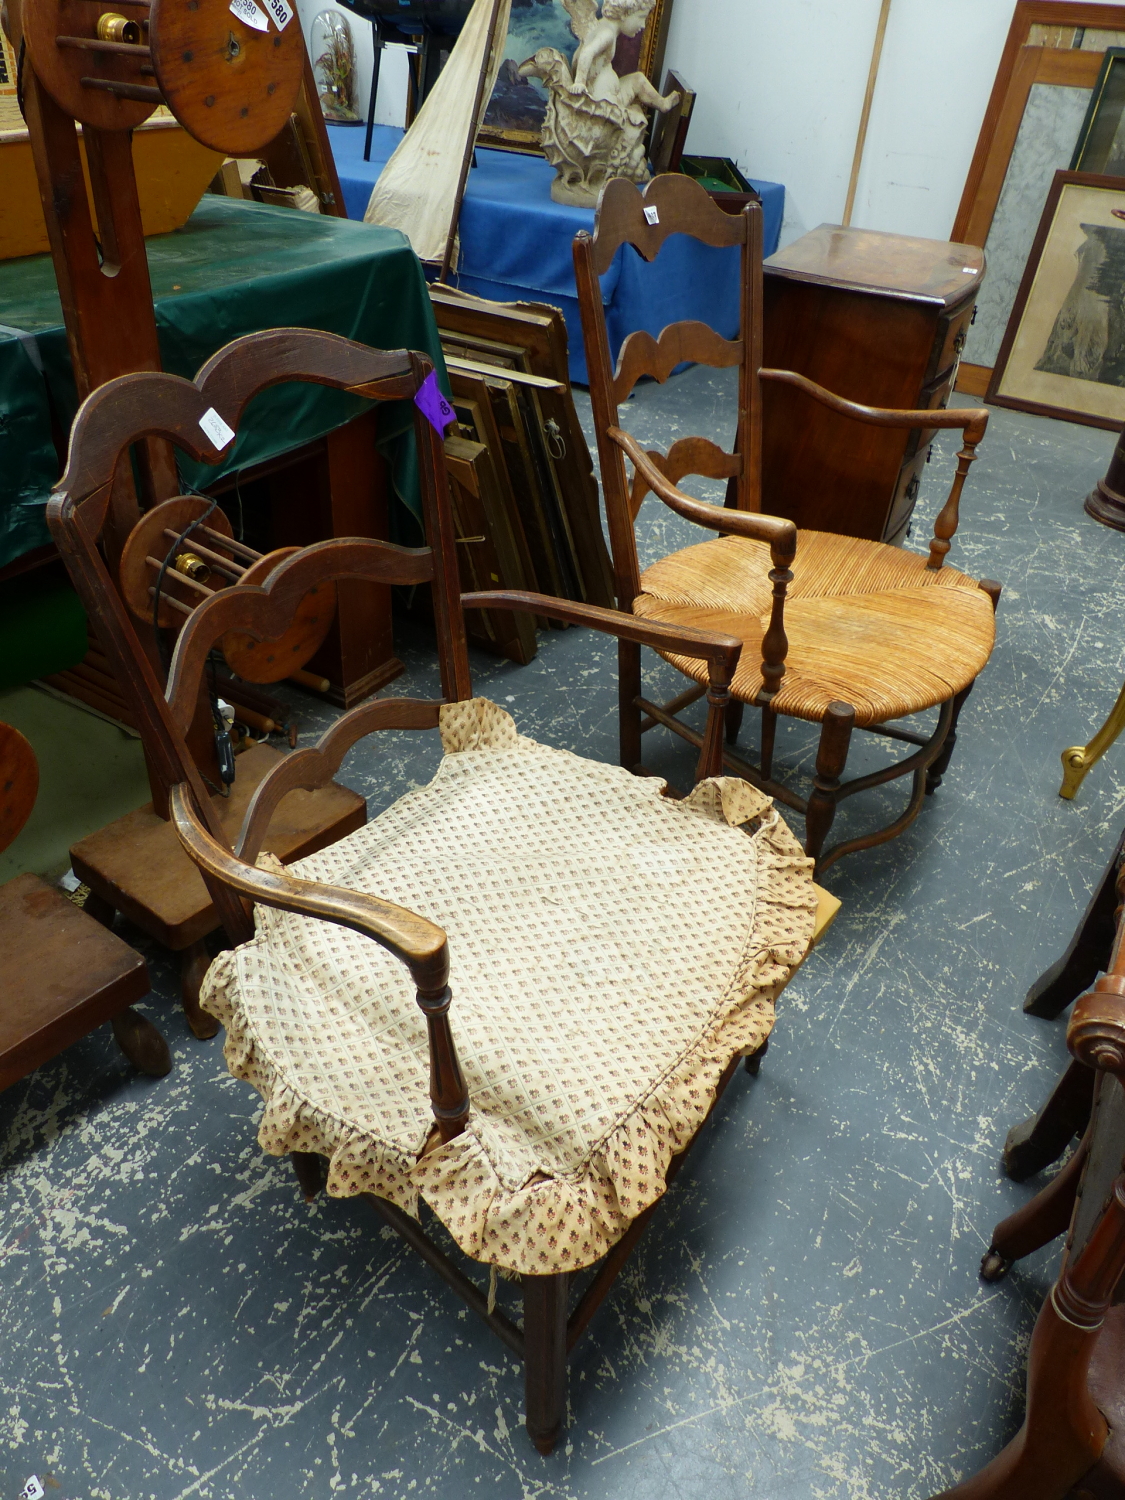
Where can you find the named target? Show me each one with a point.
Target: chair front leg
(831, 758)
(544, 1334)
(629, 690)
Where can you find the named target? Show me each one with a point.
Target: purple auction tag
(432, 404)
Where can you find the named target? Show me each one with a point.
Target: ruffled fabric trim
(554, 1224)
(357, 1161)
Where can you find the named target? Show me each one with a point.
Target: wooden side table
(878, 318)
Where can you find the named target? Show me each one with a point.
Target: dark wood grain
(19, 783)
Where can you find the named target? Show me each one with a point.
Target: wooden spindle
(125, 90)
(224, 564)
(116, 49)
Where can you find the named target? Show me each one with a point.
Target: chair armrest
(971, 419)
(722, 651)
(780, 534)
(414, 940)
(719, 651)
(420, 944)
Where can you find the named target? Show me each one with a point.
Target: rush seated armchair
(838, 631)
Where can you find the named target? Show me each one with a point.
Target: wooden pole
(865, 117)
(479, 106)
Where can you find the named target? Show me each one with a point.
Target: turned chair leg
(1036, 1142)
(831, 758)
(628, 691)
(194, 963)
(769, 735)
(1037, 1223)
(309, 1169)
(735, 710)
(141, 1043)
(941, 764)
(754, 1059)
(544, 1333)
(1087, 953)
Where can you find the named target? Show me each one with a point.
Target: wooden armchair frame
(164, 406)
(1066, 1449)
(674, 204)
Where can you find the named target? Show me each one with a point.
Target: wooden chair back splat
(137, 864)
(716, 586)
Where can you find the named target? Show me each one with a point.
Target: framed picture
(1063, 353)
(1101, 141)
(514, 117)
(1049, 70)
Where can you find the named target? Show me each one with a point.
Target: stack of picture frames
(525, 498)
(1045, 197)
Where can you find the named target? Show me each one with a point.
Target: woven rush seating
(583, 910)
(866, 623)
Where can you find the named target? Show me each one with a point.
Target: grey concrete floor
(804, 1317)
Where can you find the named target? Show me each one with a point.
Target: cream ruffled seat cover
(611, 951)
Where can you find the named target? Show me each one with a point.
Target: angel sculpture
(595, 124)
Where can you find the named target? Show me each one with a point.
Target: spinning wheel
(231, 82)
(174, 550)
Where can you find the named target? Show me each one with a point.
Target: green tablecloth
(234, 268)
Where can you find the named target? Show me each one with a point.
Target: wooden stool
(64, 974)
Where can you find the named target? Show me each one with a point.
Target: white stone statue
(595, 124)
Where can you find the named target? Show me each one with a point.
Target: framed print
(1101, 141)
(1051, 63)
(514, 117)
(1063, 353)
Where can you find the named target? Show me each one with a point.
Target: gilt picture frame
(514, 117)
(1063, 353)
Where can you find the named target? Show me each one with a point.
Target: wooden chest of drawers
(878, 318)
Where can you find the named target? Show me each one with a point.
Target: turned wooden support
(949, 515)
(1106, 501)
(710, 761)
(831, 758)
(449, 1095)
(775, 643)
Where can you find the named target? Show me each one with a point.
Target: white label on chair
(250, 14)
(216, 429)
(651, 215)
(281, 11)
(32, 1490)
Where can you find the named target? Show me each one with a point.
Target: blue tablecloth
(515, 246)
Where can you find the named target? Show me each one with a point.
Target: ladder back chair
(1072, 1442)
(63, 973)
(517, 993)
(836, 630)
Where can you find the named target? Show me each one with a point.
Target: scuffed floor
(804, 1318)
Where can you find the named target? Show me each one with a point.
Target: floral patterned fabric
(611, 951)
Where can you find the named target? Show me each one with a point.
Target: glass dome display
(333, 54)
